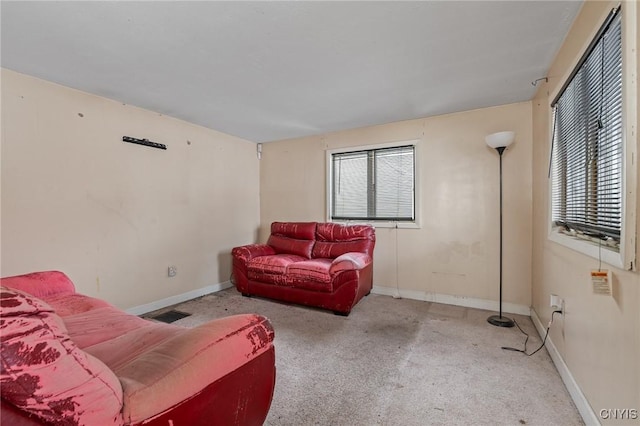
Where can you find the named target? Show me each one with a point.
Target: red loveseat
(69, 359)
(326, 265)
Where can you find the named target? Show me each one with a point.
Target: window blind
(587, 140)
(375, 184)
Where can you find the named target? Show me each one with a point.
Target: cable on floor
(524, 351)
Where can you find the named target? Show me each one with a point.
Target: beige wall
(113, 215)
(455, 252)
(599, 336)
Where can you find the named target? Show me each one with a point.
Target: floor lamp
(500, 141)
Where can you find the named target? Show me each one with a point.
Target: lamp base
(500, 321)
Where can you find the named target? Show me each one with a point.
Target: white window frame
(415, 224)
(625, 258)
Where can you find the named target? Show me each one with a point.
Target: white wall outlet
(556, 303)
(172, 271)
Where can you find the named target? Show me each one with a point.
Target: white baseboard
(179, 298)
(584, 408)
(447, 299)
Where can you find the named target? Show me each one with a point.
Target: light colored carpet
(399, 362)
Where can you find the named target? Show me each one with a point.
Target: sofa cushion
(313, 269)
(71, 304)
(334, 239)
(297, 230)
(286, 245)
(293, 237)
(114, 336)
(311, 274)
(44, 373)
(272, 265)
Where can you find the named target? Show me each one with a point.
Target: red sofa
(326, 265)
(69, 359)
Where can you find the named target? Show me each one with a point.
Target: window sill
(588, 248)
(380, 224)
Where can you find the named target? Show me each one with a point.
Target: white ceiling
(265, 71)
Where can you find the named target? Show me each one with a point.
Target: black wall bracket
(145, 142)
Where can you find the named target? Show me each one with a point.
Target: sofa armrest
(349, 261)
(248, 252)
(183, 366)
(41, 284)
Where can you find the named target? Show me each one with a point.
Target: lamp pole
(499, 320)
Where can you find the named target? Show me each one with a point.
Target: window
(373, 184)
(587, 148)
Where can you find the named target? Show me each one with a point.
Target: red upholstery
(249, 388)
(335, 272)
(311, 270)
(272, 265)
(44, 373)
(286, 245)
(248, 252)
(297, 230)
(220, 373)
(41, 284)
(348, 261)
(292, 238)
(334, 239)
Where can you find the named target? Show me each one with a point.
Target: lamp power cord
(524, 351)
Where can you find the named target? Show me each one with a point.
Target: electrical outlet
(556, 303)
(172, 271)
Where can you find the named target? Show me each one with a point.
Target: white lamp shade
(500, 139)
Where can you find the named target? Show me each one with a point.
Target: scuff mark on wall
(448, 273)
(478, 249)
(446, 281)
(112, 210)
